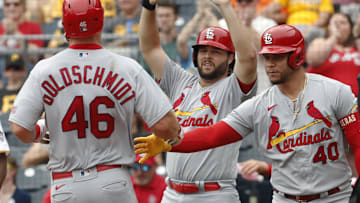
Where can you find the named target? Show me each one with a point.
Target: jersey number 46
(77, 108)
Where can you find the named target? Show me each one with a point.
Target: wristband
(146, 4)
(179, 137)
(40, 129)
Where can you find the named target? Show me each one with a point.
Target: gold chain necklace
(295, 101)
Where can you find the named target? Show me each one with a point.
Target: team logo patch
(267, 38)
(210, 34)
(83, 26)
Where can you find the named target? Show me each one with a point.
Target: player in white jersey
(89, 96)
(301, 123)
(4, 151)
(202, 101)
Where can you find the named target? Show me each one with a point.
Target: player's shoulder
(328, 83)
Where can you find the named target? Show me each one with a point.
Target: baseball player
(202, 101)
(89, 96)
(4, 151)
(302, 123)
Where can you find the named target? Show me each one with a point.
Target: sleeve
(36, 30)
(326, 6)
(349, 121)
(345, 102)
(240, 119)
(151, 102)
(173, 77)
(28, 105)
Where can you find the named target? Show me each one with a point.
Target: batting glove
(151, 146)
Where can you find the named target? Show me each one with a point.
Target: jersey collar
(85, 46)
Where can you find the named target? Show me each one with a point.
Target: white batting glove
(41, 130)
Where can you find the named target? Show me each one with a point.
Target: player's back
(89, 97)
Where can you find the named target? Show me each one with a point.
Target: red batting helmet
(82, 18)
(284, 39)
(213, 36)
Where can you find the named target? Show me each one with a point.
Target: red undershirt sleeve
(351, 127)
(246, 87)
(209, 137)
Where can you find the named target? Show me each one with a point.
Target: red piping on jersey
(246, 87)
(85, 46)
(209, 137)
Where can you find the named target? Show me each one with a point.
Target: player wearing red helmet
(202, 101)
(315, 118)
(89, 96)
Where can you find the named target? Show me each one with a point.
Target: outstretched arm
(150, 45)
(245, 65)
(195, 140)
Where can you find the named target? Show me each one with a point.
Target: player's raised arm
(150, 45)
(245, 64)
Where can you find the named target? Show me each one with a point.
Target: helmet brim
(275, 50)
(212, 43)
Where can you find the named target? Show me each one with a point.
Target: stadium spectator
(126, 22)
(336, 56)
(148, 185)
(4, 150)
(14, 23)
(15, 73)
(9, 191)
(310, 17)
(204, 17)
(166, 15)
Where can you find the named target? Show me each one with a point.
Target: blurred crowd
(331, 29)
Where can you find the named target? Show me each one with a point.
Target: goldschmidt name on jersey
(115, 84)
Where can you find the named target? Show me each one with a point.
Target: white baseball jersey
(4, 146)
(305, 143)
(89, 96)
(197, 106)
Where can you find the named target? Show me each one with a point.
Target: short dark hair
(169, 3)
(14, 62)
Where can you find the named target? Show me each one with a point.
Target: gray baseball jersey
(197, 106)
(306, 143)
(89, 96)
(4, 146)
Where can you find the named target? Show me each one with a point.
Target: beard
(218, 71)
(284, 77)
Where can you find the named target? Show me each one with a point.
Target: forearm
(245, 65)
(185, 35)
(322, 20)
(3, 161)
(206, 138)
(168, 127)
(319, 51)
(148, 33)
(23, 134)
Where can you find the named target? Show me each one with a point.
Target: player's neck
(95, 39)
(206, 83)
(294, 85)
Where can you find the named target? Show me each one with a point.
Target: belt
(60, 175)
(307, 198)
(192, 188)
